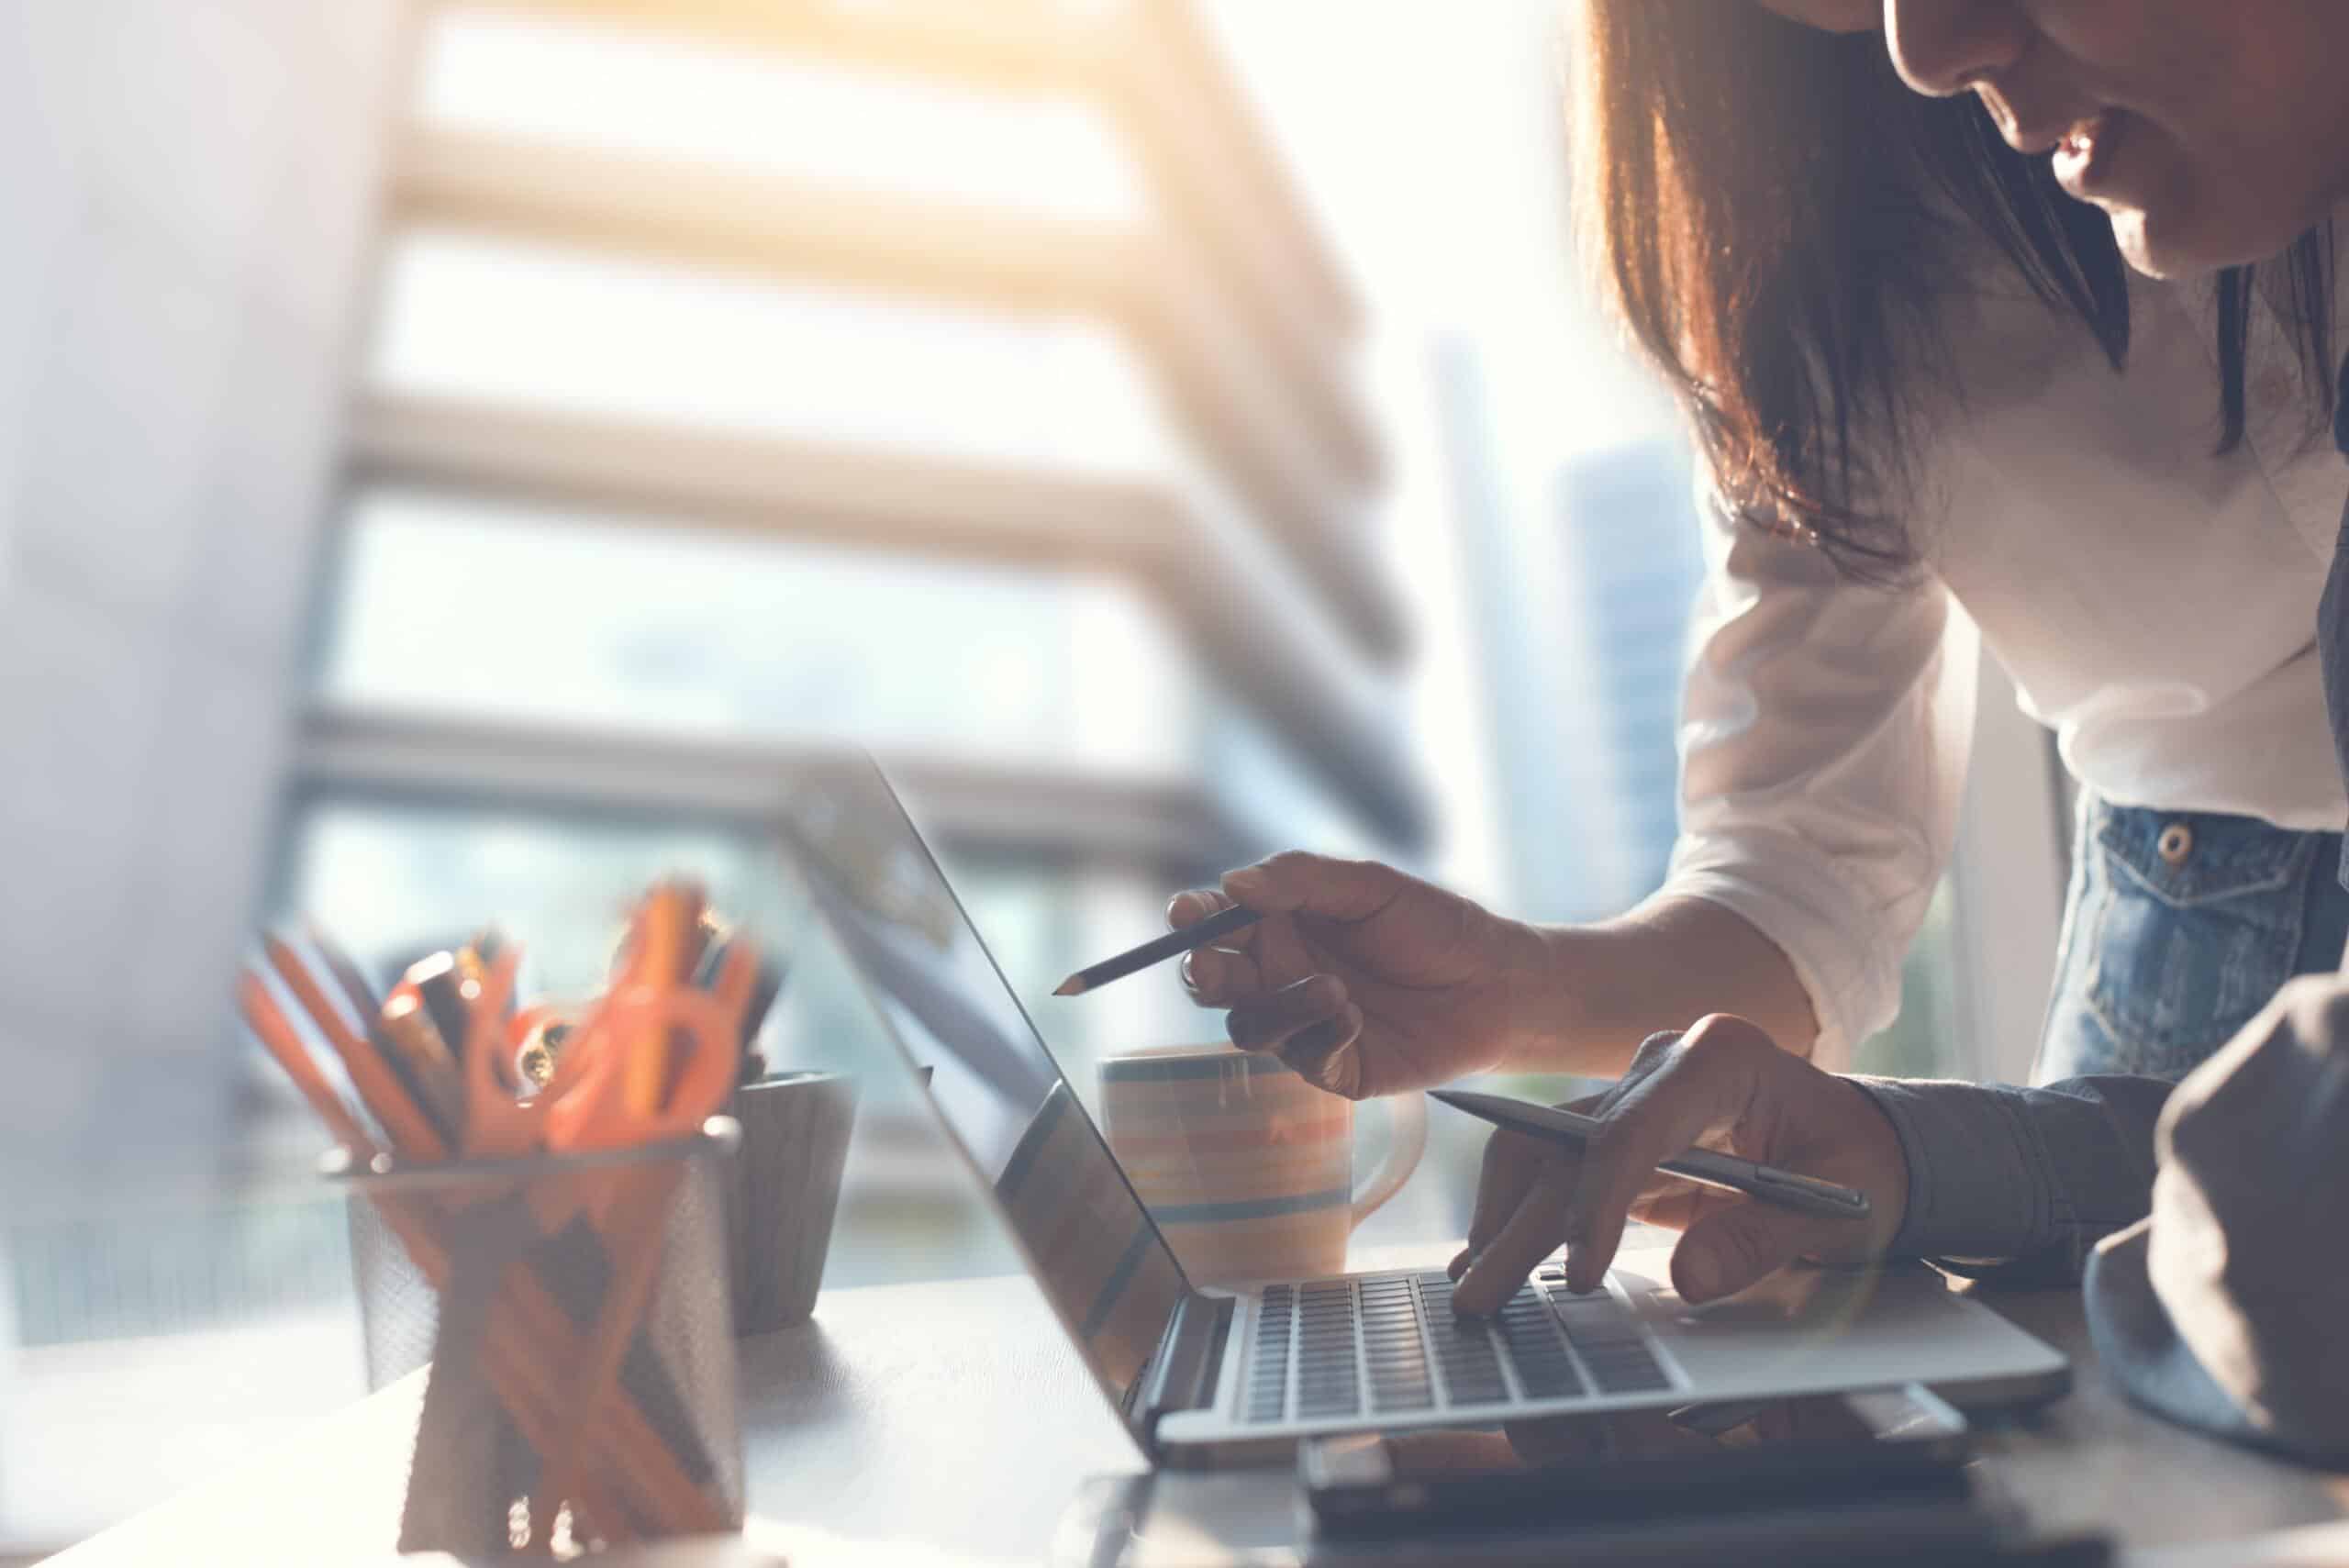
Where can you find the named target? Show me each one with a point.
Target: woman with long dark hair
(1922, 381)
(2203, 1219)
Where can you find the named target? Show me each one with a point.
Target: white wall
(187, 188)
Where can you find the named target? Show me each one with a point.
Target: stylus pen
(1806, 1194)
(1199, 934)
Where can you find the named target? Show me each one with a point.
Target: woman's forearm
(1605, 987)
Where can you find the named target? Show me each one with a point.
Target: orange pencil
(527, 1342)
(277, 1037)
(738, 977)
(410, 1130)
(406, 1028)
(664, 922)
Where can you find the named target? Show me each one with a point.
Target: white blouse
(2155, 604)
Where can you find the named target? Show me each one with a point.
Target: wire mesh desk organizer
(564, 1204)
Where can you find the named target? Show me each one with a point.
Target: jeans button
(2177, 843)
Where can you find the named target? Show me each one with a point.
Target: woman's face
(2211, 132)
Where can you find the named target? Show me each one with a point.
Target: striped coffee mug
(1246, 1167)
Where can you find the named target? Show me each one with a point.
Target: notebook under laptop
(1205, 1376)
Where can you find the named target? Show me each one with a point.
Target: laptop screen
(1087, 1239)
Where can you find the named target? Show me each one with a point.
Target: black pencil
(1222, 923)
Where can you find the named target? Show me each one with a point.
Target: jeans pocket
(2201, 925)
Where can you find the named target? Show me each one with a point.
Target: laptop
(1205, 1377)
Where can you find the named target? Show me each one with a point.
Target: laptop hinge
(1189, 1361)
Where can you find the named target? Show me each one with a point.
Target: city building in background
(966, 382)
(1582, 671)
(1632, 563)
(1518, 654)
(1580, 665)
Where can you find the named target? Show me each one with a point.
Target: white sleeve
(1823, 738)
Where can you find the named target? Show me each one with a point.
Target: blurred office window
(507, 323)
(973, 383)
(486, 609)
(709, 102)
(961, 381)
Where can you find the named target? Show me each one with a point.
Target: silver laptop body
(1205, 1376)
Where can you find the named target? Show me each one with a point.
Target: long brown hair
(1769, 206)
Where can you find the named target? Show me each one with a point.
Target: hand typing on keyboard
(1392, 1345)
(1723, 1085)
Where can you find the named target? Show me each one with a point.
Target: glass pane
(555, 328)
(632, 90)
(482, 610)
(1277, 802)
(392, 882)
(395, 881)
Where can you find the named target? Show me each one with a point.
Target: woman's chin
(2170, 246)
(2161, 252)
(2141, 249)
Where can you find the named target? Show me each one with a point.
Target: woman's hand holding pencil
(1366, 981)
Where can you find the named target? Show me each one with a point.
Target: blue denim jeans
(2181, 926)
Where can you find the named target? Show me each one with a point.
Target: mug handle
(1409, 1113)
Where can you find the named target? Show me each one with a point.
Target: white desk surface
(950, 1422)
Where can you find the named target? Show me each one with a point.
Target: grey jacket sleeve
(2212, 1223)
(2029, 1180)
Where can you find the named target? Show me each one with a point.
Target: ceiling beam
(346, 751)
(1258, 632)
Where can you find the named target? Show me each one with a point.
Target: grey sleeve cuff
(2225, 1308)
(2028, 1177)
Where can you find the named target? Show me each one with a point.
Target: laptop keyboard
(1389, 1344)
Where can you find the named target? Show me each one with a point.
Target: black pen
(1222, 923)
(1806, 1194)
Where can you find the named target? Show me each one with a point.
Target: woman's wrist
(1551, 981)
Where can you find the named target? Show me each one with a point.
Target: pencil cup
(582, 1391)
(399, 1308)
(781, 1193)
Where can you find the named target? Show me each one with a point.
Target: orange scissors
(598, 1103)
(593, 1099)
(496, 1124)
